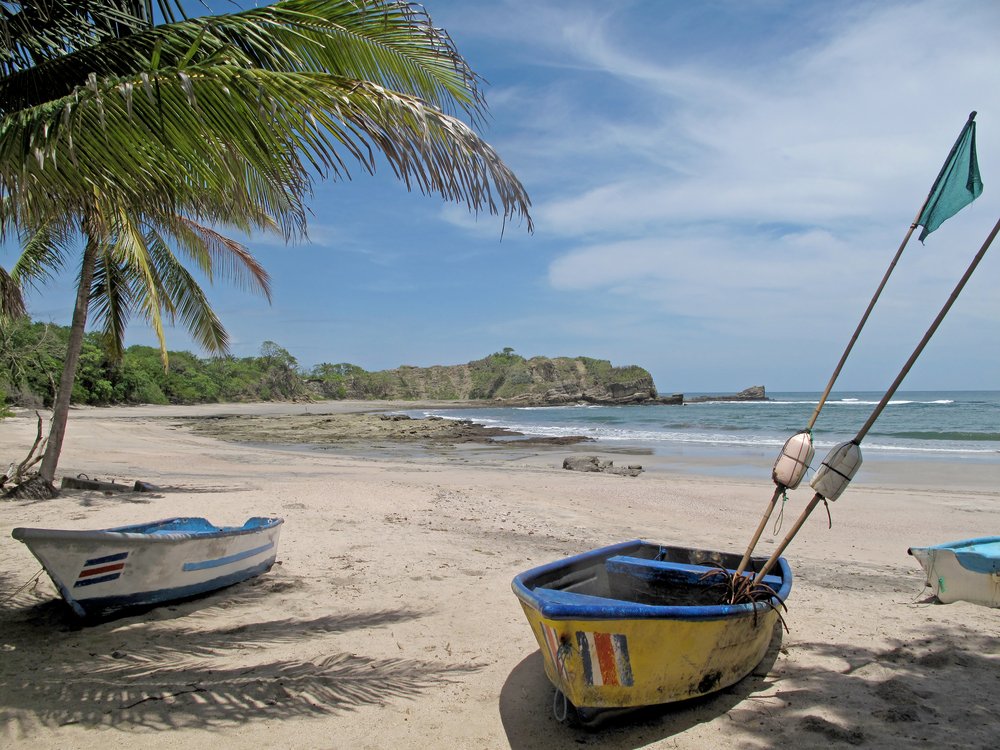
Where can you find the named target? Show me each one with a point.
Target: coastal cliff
(510, 379)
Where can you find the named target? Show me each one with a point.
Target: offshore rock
(753, 393)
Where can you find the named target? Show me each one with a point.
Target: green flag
(957, 185)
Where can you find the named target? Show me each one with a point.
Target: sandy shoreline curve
(389, 621)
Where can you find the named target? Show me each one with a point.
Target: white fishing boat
(98, 571)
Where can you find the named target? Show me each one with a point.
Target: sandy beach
(389, 622)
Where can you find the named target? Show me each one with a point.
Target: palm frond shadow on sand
(178, 673)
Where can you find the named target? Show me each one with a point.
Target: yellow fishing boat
(639, 624)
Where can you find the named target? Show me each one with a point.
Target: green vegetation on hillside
(31, 360)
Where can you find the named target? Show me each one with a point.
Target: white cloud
(840, 130)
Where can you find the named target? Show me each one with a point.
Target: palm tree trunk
(60, 407)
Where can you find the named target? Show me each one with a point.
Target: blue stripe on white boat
(161, 596)
(96, 579)
(219, 561)
(106, 559)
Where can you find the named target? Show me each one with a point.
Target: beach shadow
(527, 710)
(52, 613)
(122, 675)
(937, 691)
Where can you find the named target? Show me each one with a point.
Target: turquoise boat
(968, 570)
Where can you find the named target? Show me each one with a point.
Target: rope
(781, 512)
(32, 580)
(555, 703)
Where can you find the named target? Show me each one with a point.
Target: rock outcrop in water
(753, 393)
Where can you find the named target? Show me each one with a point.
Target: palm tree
(110, 123)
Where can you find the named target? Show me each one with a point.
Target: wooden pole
(760, 529)
(885, 279)
(864, 319)
(857, 333)
(889, 393)
(930, 332)
(788, 539)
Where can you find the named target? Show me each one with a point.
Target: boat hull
(99, 571)
(603, 651)
(968, 570)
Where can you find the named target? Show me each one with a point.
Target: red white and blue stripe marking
(101, 569)
(605, 658)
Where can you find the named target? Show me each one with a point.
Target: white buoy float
(793, 461)
(837, 470)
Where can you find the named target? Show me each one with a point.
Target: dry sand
(389, 621)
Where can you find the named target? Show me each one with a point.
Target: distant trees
(31, 361)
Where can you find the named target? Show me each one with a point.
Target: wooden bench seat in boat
(664, 583)
(671, 572)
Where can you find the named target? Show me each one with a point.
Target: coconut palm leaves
(11, 299)
(243, 109)
(140, 270)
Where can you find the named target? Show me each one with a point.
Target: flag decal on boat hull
(605, 658)
(101, 569)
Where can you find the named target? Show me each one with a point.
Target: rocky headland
(508, 379)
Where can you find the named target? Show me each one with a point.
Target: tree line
(32, 356)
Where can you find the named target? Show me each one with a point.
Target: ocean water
(961, 425)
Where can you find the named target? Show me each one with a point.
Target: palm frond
(217, 255)
(11, 297)
(390, 43)
(130, 253)
(112, 300)
(39, 30)
(43, 253)
(188, 301)
(226, 136)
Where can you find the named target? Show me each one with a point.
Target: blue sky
(717, 189)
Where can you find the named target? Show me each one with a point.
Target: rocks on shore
(595, 463)
(366, 429)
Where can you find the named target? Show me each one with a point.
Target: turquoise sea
(962, 425)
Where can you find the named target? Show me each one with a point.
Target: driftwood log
(27, 484)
